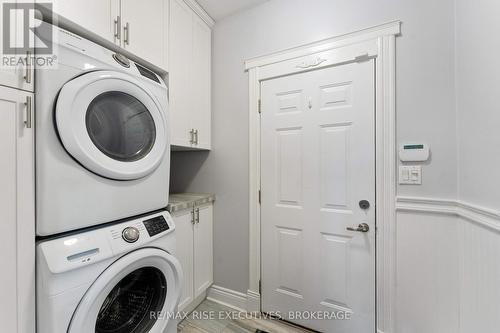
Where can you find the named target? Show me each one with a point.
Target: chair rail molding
(483, 216)
(378, 43)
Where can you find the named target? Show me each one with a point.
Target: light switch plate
(410, 174)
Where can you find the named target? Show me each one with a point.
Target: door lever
(363, 227)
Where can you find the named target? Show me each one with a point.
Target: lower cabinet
(194, 230)
(17, 212)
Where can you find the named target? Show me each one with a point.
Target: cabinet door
(203, 250)
(97, 16)
(145, 29)
(181, 54)
(18, 75)
(184, 253)
(201, 82)
(17, 312)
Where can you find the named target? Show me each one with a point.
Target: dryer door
(136, 294)
(112, 125)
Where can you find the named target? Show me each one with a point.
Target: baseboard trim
(485, 217)
(194, 303)
(253, 301)
(230, 298)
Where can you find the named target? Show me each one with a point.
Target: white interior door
(318, 163)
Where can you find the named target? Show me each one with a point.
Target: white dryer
(102, 139)
(120, 278)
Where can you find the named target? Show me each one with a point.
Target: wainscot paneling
(427, 273)
(480, 277)
(448, 267)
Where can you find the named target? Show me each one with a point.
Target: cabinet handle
(27, 76)
(126, 33)
(197, 215)
(192, 217)
(118, 28)
(27, 122)
(196, 137)
(191, 136)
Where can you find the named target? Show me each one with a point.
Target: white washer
(102, 139)
(118, 278)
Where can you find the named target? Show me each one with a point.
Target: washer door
(110, 124)
(136, 294)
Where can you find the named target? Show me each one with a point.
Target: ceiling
(219, 9)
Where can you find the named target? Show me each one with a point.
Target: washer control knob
(130, 234)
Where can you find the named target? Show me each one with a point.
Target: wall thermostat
(414, 152)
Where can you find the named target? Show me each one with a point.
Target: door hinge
(260, 196)
(260, 287)
(260, 106)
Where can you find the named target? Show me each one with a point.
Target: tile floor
(220, 323)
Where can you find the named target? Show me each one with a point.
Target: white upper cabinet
(145, 29)
(201, 82)
(190, 77)
(181, 92)
(98, 16)
(140, 27)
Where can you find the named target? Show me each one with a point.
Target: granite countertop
(184, 201)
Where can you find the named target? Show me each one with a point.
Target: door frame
(378, 43)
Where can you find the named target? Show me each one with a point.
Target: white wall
(478, 92)
(425, 101)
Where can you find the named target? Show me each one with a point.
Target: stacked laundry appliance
(105, 245)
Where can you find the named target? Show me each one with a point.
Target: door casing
(376, 43)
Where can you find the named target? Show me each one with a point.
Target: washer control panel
(130, 234)
(139, 231)
(156, 225)
(89, 247)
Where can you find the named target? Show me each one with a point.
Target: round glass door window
(128, 307)
(120, 126)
